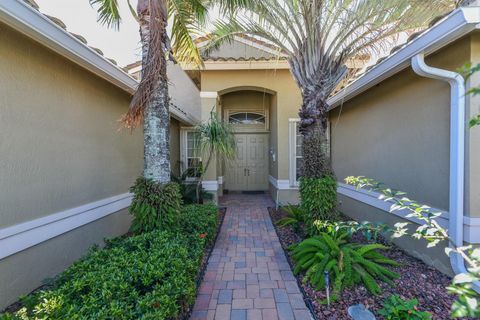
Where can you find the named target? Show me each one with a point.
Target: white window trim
(292, 149)
(249, 127)
(183, 150)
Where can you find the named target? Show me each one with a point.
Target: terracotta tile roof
(62, 25)
(243, 59)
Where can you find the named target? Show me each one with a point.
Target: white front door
(249, 170)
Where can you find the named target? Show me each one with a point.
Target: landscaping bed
(417, 280)
(152, 275)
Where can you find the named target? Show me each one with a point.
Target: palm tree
(217, 140)
(150, 103)
(318, 38)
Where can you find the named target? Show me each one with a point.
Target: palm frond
(321, 36)
(188, 17)
(108, 12)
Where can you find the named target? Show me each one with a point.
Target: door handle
(244, 172)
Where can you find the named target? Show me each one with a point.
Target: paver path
(248, 276)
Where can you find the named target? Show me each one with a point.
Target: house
(65, 167)
(400, 122)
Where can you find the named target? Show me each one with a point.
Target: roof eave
(459, 23)
(38, 27)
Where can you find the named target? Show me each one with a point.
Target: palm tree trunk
(313, 126)
(156, 126)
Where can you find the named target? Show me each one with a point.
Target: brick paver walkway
(248, 276)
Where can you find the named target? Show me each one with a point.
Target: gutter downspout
(457, 154)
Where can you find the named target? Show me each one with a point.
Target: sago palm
(318, 37)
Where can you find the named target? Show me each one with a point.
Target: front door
(249, 170)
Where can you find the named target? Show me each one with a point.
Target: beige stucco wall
(60, 148)
(398, 133)
(273, 164)
(472, 164)
(435, 257)
(60, 143)
(175, 146)
(287, 96)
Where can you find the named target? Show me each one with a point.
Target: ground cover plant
(151, 275)
(417, 280)
(396, 308)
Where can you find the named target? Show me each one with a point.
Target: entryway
(249, 170)
(248, 275)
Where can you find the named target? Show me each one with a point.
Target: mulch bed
(417, 280)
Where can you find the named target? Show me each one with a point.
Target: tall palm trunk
(156, 129)
(313, 126)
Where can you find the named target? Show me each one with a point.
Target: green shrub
(369, 230)
(395, 308)
(295, 217)
(148, 276)
(318, 198)
(347, 263)
(154, 205)
(199, 220)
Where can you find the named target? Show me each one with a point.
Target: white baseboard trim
(27, 234)
(210, 185)
(471, 225)
(281, 184)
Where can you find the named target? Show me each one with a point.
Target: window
(193, 159)
(246, 118)
(296, 157)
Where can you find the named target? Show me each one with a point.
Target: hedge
(148, 276)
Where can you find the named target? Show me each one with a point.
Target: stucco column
(209, 104)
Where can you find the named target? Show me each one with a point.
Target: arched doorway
(247, 110)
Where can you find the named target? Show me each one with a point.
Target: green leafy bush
(395, 308)
(347, 263)
(369, 230)
(201, 220)
(295, 217)
(154, 205)
(147, 276)
(318, 198)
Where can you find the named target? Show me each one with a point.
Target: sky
(121, 45)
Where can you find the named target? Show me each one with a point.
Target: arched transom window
(247, 118)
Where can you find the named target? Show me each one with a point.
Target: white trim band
(209, 94)
(471, 225)
(281, 184)
(210, 185)
(28, 234)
